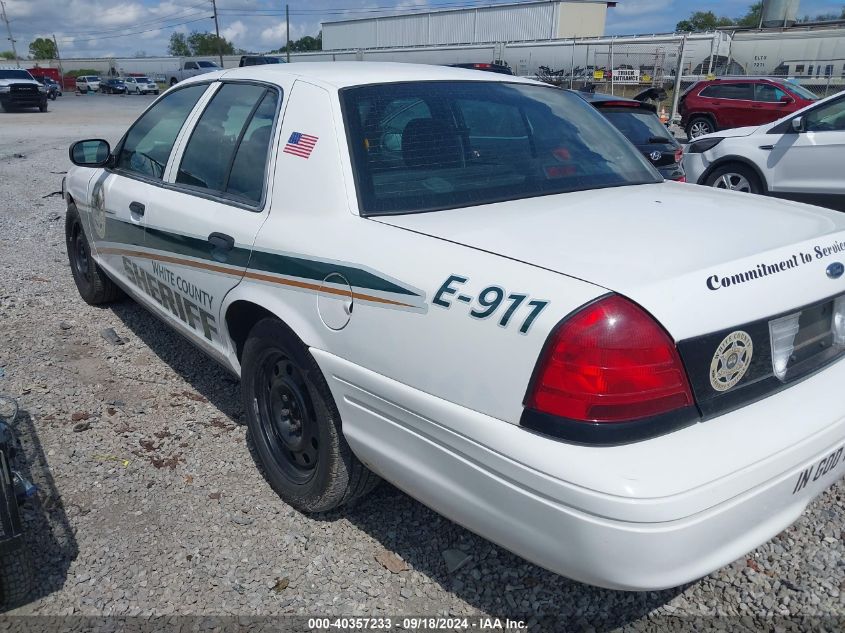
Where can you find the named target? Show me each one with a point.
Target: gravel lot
(150, 502)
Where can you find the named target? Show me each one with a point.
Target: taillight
(679, 155)
(610, 362)
(681, 179)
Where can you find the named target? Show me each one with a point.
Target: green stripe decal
(288, 265)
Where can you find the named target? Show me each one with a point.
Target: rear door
(122, 196)
(199, 234)
(737, 101)
(810, 162)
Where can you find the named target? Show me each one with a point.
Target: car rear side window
(147, 146)
(227, 151)
(729, 91)
(422, 146)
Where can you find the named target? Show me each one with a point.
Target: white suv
(88, 83)
(798, 157)
(140, 85)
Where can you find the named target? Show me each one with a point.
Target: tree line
(708, 20)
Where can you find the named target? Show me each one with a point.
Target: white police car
(475, 287)
(798, 157)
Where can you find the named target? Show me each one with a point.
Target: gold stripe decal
(237, 272)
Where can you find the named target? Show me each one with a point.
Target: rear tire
(735, 177)
(93, 284)
(172, 81)
(43, 107)
(699, 126)
(295, 425)
(15, 577)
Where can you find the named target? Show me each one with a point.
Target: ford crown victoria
(470, 285)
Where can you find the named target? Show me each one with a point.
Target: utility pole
(9, 29)
(59, 59)
(287, 24)
(217, 31)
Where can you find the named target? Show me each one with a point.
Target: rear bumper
(645, 516)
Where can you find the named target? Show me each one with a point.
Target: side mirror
(786, 100)
(90, 153)
(798, 124)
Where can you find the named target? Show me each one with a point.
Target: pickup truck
(190, 69)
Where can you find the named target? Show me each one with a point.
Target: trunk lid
(669, 247)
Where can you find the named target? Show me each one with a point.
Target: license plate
(824, 468)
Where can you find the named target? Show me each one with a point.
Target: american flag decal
(300, 144)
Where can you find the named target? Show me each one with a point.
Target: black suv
(639, 122)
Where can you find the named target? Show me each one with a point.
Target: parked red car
(725, 103)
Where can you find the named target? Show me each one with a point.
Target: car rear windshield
(142, 80)
(15, 74)
(424, 146)
(639, 126)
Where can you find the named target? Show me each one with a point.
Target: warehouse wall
(581, 20)
(509, 23)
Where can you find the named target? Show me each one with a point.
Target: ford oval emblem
(835, 270)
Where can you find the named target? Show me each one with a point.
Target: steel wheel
(286, 415)
(733, 182)
(81, 254)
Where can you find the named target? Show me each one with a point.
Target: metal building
(516, 22)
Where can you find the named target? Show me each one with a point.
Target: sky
(125, 28)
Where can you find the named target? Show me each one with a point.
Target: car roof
(345, 74)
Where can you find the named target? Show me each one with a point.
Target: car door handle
(137, 208)
(221, 241)
(769, 147)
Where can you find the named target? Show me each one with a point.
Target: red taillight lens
(681, 179)
(610, 362)
(679, 155)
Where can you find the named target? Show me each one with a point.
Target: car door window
(827, 118)
(767, 93)
(219, 133)
(147, 146)
(247, 177)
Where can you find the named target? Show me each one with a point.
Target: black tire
(735, 177)
(173, 81)
(699, 126)
(43, 106)
(53, 96)
(93, 284)
(16, 577)
(295, 425)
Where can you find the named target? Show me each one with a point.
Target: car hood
(666, 246)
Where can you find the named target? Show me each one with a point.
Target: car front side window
(827, 118)
(149, 142)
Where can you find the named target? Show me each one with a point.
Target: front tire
(93, 284)
(295, 425)
(699, 126)
(735, 177)
(42, 107)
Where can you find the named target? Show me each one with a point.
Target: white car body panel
(797, 165)
(431, 398)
